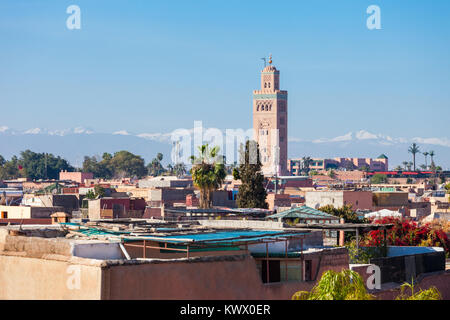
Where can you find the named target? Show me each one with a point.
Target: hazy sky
(154, 66)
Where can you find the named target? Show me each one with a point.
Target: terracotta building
(381, 163)
(79, 177)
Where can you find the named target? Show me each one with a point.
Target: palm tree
(170, 170)
(426, 153)
(432, 154)
(405, 164)
(398, 168)
(331, 173)
(180, 169)
(414, 149)
(306, 163)
(208, 173)
(409, 165)
(155, 168)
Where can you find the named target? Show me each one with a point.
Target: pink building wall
(79, 177)
(359, 199)
(381, 164)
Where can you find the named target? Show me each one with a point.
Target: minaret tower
(270, 122)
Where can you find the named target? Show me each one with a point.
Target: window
(270, 270)
(308, 270)
(282, 120)
(265, 85)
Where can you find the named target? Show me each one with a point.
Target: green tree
(346, 212)
(432, 154)
(100, 169)
(414, 149)
(90, 165)
(155, 168)
(208, 173)
(170, 171)
(121, 164)
(99, 191)
(405, 164)
(410, 164)
(42, 165)
(90, 195)
(252, 193)
(180, 169)
(426, 153)
(378, 179)
(306, 163)
(365, 168)
(126, 164)
(10, 169)
(331, 173)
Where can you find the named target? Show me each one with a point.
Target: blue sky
(154, 66)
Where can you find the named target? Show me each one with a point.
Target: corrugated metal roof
(303, 212)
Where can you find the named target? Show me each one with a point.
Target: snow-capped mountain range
(73, 144)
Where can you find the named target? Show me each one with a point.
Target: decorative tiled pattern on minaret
(270, 115)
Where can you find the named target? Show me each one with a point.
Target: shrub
(431, 293)
(363, 255)
(408, 233)
(344, 285)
